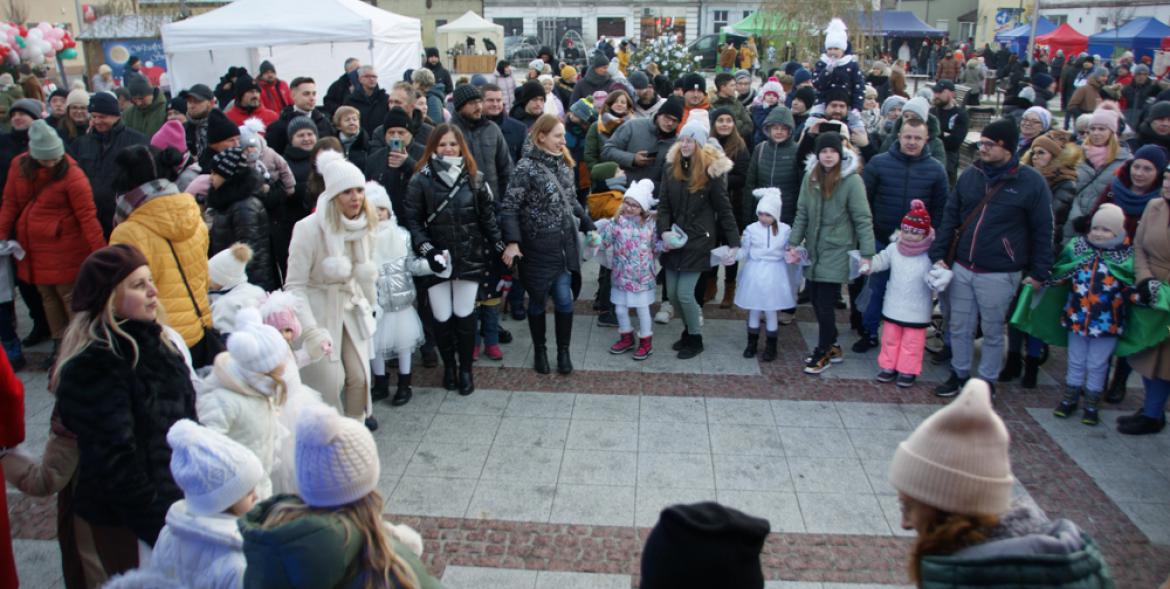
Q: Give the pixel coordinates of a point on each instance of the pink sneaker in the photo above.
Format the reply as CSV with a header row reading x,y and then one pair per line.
x,y
493,352
624,344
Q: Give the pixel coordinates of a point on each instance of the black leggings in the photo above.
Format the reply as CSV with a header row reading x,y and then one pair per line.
x,y
824,301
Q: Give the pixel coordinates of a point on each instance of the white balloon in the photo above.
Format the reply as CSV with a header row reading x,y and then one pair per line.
x,y
36,34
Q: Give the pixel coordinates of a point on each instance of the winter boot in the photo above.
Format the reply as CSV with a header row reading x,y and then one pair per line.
x,y
1031,372
445,340
465,330
1141,426
1011,367
624,344
381,390
1091,414
564,331
682,341
1117,387
753,344
47,364
769,347
693,347
645,348
403,393
536,326
1068,403
728,295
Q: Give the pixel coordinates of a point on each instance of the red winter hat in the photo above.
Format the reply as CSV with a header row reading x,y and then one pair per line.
x,y
917,220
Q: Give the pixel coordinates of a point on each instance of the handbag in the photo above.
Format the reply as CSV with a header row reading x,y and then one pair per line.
x,y
953,249
211,345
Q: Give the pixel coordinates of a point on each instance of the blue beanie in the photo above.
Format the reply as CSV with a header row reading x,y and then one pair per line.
x,y
801,76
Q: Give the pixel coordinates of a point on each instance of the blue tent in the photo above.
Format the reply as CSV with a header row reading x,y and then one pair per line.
x,y
1140,35
896,23
1017,38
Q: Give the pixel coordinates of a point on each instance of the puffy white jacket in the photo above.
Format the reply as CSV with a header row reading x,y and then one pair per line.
x,y
908,297
201,552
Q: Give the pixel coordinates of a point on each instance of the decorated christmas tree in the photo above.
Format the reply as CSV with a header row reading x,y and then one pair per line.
x,y
672,57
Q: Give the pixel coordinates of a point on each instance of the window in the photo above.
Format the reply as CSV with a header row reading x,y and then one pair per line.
x,y
966,30
1102,23
440,22
512,26
718,20
1057,19
611,26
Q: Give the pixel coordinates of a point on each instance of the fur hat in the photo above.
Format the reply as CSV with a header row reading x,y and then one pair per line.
x,y
338,173
171,134
697,128
917,219
704,545
957,460
377,195
336,458
100,274
919,106
1111,216
300,123
642,192
770,202
280,311
1003,131
213,470
43,142
836,35
254,346
77,98
464,94
219,127
227,268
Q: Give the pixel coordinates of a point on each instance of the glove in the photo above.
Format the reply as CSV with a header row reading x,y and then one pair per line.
x,y
505,283
1082,224
672,240
316,342
1146,291
499,246
593,239
938,278
436,262
425,248
731,257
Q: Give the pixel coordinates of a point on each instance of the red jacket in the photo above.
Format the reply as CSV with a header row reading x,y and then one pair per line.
x,y
274,96
11,434
238,115
55,222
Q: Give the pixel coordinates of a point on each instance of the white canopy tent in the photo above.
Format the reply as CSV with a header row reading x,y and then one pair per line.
x,y
456,32
300,37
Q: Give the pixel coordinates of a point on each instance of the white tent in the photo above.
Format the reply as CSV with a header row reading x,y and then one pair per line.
x,y
300,37
456,32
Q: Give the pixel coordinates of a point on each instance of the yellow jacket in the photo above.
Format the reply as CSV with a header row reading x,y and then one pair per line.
x,y
173,218
623,58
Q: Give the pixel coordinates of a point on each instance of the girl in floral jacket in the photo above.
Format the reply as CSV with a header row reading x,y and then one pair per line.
x,y
632,242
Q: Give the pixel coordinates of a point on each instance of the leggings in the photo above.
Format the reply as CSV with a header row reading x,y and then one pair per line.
x,y
378,362
681,286
770,321
452,296
824,301
357,392
645,326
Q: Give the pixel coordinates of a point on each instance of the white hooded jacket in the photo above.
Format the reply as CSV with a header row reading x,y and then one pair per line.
x,y
201,552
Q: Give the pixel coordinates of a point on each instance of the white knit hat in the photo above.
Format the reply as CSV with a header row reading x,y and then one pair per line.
x,y
255,346
836,36
642,192
227,268
957,460
213,470
376,194
770,202
339,174
336,458
698,127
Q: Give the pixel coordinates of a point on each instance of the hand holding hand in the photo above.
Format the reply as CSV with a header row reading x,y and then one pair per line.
x,y
511,253
593,239
437,262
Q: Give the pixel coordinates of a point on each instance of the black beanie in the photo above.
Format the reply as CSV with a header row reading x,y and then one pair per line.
x,y
791,67
673,107
694,81
104,103
243,84
219,127
704,545
179,104
662,86
266,66
598,60
1004,132
836,95
432,52
464,94
396,118
500,65
528,92
829,140
806,95
101,273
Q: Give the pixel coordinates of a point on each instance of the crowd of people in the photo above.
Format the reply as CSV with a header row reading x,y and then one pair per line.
x,y
247,259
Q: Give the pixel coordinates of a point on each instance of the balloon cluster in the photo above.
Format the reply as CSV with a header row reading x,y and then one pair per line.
x,y
35,45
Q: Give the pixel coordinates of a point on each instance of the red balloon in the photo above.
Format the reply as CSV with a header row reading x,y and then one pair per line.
x,y
23,31
69,43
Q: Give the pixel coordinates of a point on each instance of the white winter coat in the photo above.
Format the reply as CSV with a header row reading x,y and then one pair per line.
x,y
908,298
201,552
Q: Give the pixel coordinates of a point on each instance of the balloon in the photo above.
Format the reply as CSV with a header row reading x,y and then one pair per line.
x,y
36,34
23,30
69,43
44,27
57,44
20,42
69,53
13,59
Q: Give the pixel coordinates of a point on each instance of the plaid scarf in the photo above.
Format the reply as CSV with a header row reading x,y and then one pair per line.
x,y
129,202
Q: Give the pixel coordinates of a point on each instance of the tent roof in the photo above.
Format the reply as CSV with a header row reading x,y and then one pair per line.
x,y
255,23
1043,27
762,21
1064,34
897,23
470,22
1146,28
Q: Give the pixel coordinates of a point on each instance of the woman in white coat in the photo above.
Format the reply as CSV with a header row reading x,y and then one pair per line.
x,y
331,269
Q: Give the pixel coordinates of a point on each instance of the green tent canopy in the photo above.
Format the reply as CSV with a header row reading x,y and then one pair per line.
x,y
762,22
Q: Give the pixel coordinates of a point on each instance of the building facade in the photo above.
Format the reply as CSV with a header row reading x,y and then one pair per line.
x,y
1095,16
946,15
432,13
551,20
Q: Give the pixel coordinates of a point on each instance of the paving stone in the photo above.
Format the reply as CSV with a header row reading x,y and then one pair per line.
x,y
395,456
459,577
597,467
892,509
675,470
876,443
740,411
522,464
424,400
878,471
558,580
439,497
842,513
828,475
673,437
606,407
652,500
872,416
448,460
806,413
533,404
594,505
1152,518
816,442
455,429
483,402
779,508
751,473
603,435
507,500
762,440
402,425
673,409
533,432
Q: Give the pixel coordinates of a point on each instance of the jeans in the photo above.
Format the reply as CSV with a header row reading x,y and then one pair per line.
x,y
1157,392
986,298
872,317
1088,362
489,325
902,348
562,295
824,301
681,286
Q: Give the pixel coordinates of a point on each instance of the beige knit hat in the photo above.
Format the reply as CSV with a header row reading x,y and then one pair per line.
x,y
77,98
336,458
957,460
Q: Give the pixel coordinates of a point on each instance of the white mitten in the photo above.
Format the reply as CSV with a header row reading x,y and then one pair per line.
x,y
316,342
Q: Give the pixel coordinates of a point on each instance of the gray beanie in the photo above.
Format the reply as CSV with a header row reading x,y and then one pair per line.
x,y
1099,72
301,123
28,106
139,86
43,142
894,101
919,106
1141,68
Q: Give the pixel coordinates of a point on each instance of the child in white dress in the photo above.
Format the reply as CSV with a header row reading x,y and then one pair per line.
x,y
764,286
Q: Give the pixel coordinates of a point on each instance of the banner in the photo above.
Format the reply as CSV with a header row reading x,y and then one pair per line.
x,y
118,51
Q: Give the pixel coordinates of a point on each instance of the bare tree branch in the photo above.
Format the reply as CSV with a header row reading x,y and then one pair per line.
x,y
16,10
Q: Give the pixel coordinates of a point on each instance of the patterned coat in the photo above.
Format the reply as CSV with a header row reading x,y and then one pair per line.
x,y
1097,296
633,244
846,76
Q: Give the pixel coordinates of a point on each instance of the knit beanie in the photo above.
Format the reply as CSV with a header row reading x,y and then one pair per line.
x,y
836,36
1159,110
213,470
251,133
227,268
336,458
704,545
697,128
642,192
178,104
584,111
1043,114
1027,95
280,311
1111,216
917,219
919,106
266,66
1042,80
770,202
300,123
464,94
43,142
377,195
894,101
536,65
672,107
228,162
742,74
1107,118
338,173
254,346
598,60
957,460
638,80
1155,154
718,112
478,80
396,118
243,85
801,76
530,91
1053,142
77,98
694,81
32,108
1003,131
602,172
791,67
139,86
171,134
432,52
219,127
806,95
1141,68
772,87
568,71
101,272
829,140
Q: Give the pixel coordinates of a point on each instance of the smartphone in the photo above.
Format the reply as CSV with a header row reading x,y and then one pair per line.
x,y
832,126
396,145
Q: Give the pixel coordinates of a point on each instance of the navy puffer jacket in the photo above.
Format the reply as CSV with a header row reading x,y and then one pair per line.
x,y
893,179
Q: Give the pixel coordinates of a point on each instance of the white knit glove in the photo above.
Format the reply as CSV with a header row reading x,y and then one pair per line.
x,y
316,342
938,278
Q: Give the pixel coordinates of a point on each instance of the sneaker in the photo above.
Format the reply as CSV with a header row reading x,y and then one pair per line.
x,y
836,354
951,387
645,348
818,362
865,344
1090,415
607,319
1068,402
665,313
887,376
624,344
493,352
905,381
786,318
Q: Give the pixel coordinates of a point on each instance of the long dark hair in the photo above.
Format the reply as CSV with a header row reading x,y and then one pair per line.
x,y
30,166
433,146
732,144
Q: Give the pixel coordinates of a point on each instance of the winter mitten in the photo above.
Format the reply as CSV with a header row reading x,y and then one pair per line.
x,y
316,342
409,538
593,239
672,240
436,262
938,278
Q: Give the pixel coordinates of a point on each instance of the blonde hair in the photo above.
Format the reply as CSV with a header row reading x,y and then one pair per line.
x,y
333,213
543,126
700,160
380,566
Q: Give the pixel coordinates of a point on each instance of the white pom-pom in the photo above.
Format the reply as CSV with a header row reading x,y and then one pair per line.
x,y
317,425
247,318
255,125
278,300
365,271
327,157
336,267
768,191
183,433
836,26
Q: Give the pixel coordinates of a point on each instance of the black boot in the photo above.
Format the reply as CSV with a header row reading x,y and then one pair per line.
x,y
381,388
465,330
445,340
536,326
1068,402
1031,372
692,348
753,344
682,340
1116,391
1011,367
564,328
769,347
403,393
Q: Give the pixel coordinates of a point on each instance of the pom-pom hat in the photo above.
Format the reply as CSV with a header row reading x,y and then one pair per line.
x,y
336,458
917,219
338,173
213,470
770,202
836,35
227,268
642,192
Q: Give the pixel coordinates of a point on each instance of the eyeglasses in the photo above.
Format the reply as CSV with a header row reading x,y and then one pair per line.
x,y
1028,121
987,144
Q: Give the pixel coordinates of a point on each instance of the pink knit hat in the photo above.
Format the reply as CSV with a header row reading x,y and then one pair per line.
x,y
170,135
957,460
1107,118
280,312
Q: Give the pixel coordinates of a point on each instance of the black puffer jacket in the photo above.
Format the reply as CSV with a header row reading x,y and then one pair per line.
x,y
277,133
121,413
95,153
541,213
373,108
705,217
490,150
238,215
394,180
462,227
300,163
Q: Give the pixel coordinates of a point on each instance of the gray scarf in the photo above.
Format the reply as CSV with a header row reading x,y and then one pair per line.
x,y
129,202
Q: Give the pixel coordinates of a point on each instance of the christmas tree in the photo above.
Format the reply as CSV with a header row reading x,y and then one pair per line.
x,y
672,57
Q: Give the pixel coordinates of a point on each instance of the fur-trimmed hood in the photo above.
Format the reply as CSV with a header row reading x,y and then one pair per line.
x,y
850,163
719,164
